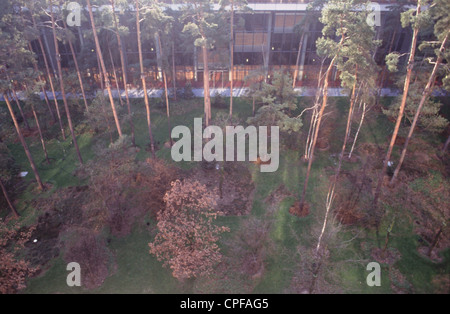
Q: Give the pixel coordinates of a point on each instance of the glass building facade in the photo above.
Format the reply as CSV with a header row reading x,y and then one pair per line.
x,y
264,40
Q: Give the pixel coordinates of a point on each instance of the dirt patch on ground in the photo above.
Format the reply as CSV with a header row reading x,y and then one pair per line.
x,y
348,216
232,183
389,256
44,244
299,211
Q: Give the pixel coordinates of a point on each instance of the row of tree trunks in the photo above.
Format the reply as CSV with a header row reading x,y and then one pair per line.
x,y
399,119
426,93
23,142
63,93
50,80
144,87
103,69
124,71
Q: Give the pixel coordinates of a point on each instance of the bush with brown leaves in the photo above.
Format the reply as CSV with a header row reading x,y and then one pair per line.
x,y
13,270
88,249
187,237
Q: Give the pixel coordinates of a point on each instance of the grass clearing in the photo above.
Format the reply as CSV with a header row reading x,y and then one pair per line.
x,y
139,272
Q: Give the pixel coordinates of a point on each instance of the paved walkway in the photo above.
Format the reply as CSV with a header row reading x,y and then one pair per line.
x,y
237,92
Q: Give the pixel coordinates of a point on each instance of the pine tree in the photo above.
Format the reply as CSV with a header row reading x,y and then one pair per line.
x,y
69,38
13,64
144,84
406,16
158,24
103,68
34,8
7,172
442,32
61,84
278,99
202,23
337,17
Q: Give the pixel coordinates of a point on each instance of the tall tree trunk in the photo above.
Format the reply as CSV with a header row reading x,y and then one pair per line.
x,y
144,86
50,80
63,92
103,68
316,133
231,56
115,76
447,142
312,125
100,74
400,115
47,102
435,241
24,144
359,129
206,92
77,68
300,46
426,93
166,93
333,183
167,108
384,71
174,72
40,133
124,71
16,100
8,200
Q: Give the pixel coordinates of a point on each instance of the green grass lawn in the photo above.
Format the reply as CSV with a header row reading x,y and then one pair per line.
x,y
136,271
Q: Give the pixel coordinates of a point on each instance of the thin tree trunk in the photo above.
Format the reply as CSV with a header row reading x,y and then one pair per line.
x,y
144,86
124,72
63,92
100,74
47,102
207,96
400,115
24,144
426,93
319,119
384,71
167,107
10,204
50,80
40,133
312,125
231,57
115,76
166,92
435,241
332,187
253,105
102,64
359,128
447,142
77,68
300,46
16,100
174,73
